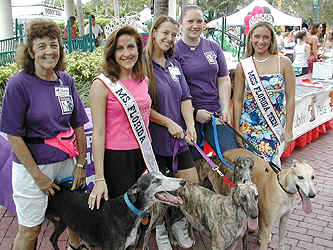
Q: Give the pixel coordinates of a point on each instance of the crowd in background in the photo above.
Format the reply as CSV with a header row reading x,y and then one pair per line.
x,y
178,85
306,45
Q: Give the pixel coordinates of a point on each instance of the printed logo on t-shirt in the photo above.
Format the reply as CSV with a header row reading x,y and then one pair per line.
x,y
174,72
66,104
211,57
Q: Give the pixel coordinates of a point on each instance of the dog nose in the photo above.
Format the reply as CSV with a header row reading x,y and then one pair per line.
x,y
254,215
312,195
183,182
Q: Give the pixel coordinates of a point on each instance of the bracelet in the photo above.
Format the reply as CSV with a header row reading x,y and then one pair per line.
x,y
80,165
99,179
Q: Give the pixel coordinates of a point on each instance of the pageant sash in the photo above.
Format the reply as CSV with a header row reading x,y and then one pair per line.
x,y
135,119
264,102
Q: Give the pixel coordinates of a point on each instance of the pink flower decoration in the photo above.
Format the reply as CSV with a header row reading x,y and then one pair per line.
x,y
257,10
247,27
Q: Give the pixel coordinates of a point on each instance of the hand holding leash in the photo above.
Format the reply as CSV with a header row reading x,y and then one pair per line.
x,y
46,184
191,135
275,168
175,130
203,116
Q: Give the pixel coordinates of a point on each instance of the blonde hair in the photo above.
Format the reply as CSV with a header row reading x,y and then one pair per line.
x,y
273,48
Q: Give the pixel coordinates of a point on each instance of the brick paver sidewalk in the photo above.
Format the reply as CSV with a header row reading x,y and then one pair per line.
x,y
313,231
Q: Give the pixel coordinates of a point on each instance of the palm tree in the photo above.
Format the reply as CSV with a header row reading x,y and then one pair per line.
x,y
106,7
161,7
80,16
116,8
189,2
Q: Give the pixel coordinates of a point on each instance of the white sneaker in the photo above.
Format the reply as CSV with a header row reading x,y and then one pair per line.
x,y
162,238
180,230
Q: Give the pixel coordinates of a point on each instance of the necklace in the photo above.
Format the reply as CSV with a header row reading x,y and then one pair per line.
x,y
262,60
192,45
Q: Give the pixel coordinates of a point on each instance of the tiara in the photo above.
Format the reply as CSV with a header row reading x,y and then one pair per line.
x,y
267,18
257,15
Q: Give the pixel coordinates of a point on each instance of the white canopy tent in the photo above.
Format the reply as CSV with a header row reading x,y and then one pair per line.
x,y
280,18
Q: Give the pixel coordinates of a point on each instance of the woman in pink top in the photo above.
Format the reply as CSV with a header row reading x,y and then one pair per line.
x,y
117,156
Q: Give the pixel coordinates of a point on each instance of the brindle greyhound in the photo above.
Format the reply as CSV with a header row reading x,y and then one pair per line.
x,y
223,218
277,192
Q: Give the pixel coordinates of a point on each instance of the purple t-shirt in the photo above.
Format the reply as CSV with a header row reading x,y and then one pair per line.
x,y
172,90
34,107
202,67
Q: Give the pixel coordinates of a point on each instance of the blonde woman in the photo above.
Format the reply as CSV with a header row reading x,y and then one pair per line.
x,y
171,115
278,80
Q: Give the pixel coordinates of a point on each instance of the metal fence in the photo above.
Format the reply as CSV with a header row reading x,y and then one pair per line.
x,y
8,46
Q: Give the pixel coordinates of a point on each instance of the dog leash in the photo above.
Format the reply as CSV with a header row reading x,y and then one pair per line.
x,y
273,166
176,146
217,144
203,154
214,166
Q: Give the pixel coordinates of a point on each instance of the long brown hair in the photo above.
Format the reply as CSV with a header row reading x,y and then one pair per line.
x,y
273,49
314,29
148,57
39,28
110,66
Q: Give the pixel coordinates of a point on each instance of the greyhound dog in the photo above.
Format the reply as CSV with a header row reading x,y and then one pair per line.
x,y
222,218
277,192
243,172
115,225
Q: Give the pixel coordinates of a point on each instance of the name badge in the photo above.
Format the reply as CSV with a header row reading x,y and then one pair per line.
x,y
61,91
174,72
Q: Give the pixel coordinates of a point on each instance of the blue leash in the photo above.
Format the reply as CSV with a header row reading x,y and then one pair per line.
x,y
67,179
217,144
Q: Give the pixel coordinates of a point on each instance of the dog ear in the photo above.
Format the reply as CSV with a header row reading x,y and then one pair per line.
x,y
132,192
236,195
294,163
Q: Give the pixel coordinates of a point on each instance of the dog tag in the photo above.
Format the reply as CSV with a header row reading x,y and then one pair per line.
x,y
145,221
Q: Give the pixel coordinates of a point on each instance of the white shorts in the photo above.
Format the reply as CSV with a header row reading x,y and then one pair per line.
x,y
30,201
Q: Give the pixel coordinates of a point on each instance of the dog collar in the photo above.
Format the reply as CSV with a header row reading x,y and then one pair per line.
x,y
133,208
282,186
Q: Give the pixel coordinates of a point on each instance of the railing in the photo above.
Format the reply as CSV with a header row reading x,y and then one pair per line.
x,y
8,47
7,57
227,40
80,44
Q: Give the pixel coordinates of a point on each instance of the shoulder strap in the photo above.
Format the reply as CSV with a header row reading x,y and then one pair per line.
x,y
135,119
